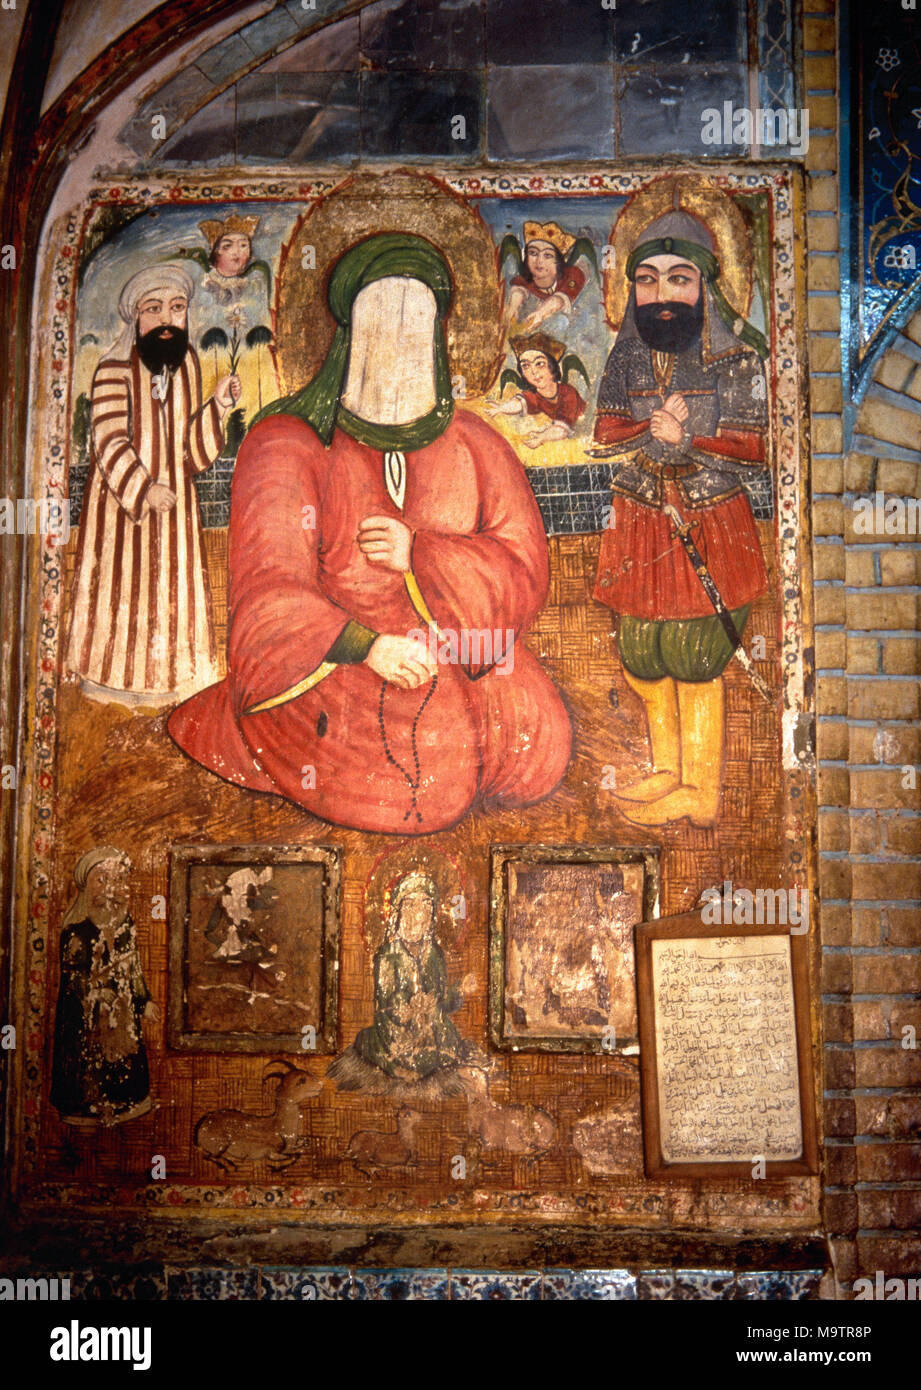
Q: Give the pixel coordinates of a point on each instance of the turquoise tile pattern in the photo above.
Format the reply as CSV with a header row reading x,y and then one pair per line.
x,y
343,1283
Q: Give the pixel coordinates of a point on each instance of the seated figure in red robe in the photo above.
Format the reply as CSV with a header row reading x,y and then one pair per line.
x,y
386,556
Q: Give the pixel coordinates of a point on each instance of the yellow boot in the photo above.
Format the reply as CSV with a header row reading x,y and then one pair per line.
x,y
661,705
700,716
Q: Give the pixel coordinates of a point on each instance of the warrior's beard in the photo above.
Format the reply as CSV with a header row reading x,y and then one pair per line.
x,y
162,347
674,334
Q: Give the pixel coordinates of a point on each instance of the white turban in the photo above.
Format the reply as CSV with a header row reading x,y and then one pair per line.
x,y
155,277
102,854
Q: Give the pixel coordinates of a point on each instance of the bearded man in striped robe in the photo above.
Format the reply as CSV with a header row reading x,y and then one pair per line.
x,y
141,627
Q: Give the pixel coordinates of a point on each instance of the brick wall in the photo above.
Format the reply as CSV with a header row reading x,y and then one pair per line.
x,y
868,656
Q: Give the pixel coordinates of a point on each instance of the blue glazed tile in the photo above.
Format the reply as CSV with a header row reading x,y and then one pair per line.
x,y
333,49
209,1284
273,28
608,1285
322,1284
554,480
656,1284
760,489
704,1284
147,1286
77,480
550,112
224,59
405,113
414,34
583,516
295,118
776,56
306,14
207,137
400,1285
775,1285
215,515
661,112
487,1284
528,32
186,91
645,33
545,514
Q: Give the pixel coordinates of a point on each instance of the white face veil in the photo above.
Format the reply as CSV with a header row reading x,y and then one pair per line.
x,y
391,371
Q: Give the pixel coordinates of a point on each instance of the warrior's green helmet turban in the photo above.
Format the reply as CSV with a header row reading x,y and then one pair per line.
x,y
678,233
387,254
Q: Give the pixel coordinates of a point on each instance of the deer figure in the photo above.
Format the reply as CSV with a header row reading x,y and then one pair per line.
x,y
373,1150
232,1137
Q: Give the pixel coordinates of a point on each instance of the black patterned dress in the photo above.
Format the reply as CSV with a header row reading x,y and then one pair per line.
x,y
100,1073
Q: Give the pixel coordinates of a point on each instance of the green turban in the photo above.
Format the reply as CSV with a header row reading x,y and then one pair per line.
x,y
387,254
709,268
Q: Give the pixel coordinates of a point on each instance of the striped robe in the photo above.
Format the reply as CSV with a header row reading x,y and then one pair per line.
x,y
141,605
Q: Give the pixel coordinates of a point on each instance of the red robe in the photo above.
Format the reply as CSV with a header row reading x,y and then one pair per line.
x,y
567,405
570,283
480,559
644,570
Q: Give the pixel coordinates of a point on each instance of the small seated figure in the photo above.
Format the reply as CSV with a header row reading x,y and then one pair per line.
x,y
541,363
413,1038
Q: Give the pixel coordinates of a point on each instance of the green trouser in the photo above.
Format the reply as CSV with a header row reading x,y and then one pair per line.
x,y
691,649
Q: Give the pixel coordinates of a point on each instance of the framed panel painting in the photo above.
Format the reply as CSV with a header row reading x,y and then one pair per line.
x,y
562,975
452,568
253,948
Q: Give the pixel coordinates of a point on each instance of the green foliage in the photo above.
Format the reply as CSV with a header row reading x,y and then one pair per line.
x,y
190,253
583,247
572,363
510,247
263,268
214,338
260,336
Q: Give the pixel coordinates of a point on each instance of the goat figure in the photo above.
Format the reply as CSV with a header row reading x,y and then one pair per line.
x,y
231,1137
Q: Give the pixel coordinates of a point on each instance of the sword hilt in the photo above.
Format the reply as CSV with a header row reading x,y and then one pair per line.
x,y
677,520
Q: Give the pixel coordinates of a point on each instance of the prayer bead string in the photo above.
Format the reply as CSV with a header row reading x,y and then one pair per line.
x,y
412,782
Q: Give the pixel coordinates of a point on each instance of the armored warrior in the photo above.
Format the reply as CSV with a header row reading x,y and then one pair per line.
x,y
682,400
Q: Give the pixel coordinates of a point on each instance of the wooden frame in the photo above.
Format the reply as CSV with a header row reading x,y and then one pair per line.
x,y
182,1034
501,857
690,926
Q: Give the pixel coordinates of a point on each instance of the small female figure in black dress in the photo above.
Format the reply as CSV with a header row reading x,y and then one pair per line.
x,y
99,1073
